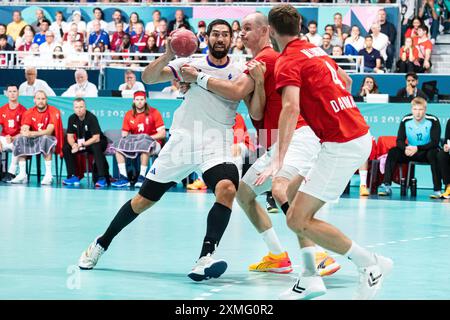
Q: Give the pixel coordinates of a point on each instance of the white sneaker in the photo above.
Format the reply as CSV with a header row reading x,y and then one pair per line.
x,y
305,288
48,179
90,257
207,268
20,179
371,278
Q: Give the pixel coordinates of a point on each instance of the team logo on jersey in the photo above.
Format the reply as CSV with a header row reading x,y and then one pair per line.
x,y
230,76
34,119
86,128
4,115
153,171
132,121
75,126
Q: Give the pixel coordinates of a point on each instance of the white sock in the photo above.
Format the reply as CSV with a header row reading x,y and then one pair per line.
x,y
239,163
309,261
48,167
13,166
122,169
272,241
143,171
360,256
363,177
22,168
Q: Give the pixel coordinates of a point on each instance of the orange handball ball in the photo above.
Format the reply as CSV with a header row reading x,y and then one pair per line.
x,y
184,42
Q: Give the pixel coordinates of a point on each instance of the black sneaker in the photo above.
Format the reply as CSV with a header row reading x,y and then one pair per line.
x,y
271,206
8,177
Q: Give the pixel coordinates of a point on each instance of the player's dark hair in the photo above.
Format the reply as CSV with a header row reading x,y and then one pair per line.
x,y
79,99
100,9
368,36
312,22
412,74
424,28
217,22
12,85
285,20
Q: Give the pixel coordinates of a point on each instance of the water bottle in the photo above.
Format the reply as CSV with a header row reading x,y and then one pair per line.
x,y
403,187
413,187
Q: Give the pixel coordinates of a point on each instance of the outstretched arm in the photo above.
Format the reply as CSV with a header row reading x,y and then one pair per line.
x,y
157,70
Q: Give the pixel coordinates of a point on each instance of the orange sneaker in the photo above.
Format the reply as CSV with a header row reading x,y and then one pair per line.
x,y
326,265
276,263
197,185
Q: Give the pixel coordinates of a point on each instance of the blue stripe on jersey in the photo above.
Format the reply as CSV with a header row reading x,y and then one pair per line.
x,y
418,133
216,66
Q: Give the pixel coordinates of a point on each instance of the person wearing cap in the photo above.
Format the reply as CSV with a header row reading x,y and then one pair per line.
x,y
84,135
201,35
143,132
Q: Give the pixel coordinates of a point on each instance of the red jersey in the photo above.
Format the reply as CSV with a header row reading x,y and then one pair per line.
x,y
143,123
39,120
328,108
241,134
10,120
139,41
422,47
273,106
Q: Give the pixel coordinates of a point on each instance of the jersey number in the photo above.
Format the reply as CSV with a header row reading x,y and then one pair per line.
x,y
11,123
419,137
140,127
334,75
40,125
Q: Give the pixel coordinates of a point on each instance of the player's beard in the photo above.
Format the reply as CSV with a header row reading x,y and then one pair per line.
x,y
41,108
216,53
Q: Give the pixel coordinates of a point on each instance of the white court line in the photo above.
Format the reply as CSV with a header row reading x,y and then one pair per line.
x,y
215,290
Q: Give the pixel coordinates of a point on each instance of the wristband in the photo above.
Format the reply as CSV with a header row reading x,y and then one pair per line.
x,y
202,80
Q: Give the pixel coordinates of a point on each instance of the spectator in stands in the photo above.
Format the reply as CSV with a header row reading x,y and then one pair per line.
x,y
152,26
368,86
81,25
134,19
354,43
33,84
417,140
239,48
424,48
59,27
335,40
125,47
84,135
326,44
116,19
32,58
97,36
131,83
236,29
303,29
411,91
139,40
372,57
74,29
390,31
26,42
10,118
409,57
21,38
37,136
173,90
16,25
58,57
82,88
161,36
117,37
444,162
312,34
78,58
201,36
46,49
342,60
98,17
179,20
4,45
39,18
9,39
151,46
380,40
143,129
341,31
39,38
412,31
430,12
69,44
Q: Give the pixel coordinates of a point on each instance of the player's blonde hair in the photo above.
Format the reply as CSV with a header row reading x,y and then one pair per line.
x,y
419,101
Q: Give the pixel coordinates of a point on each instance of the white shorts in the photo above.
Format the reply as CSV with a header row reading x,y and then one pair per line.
x,y
5,145
299,159
336,163
179,158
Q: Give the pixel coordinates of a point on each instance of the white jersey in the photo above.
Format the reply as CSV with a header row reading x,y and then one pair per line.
x,y
202,107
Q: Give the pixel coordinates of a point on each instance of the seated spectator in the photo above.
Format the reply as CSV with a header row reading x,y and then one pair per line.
x,y
81,25
424,48
39,18
77,58
390,31
10,118
312,34
59,27
32,58
69,44
39,38
372,57
201,36
33,84
411,91
412,31
97,36
58,59
117,37
125,47
341,31
326,44
444,162
173,91
134,19
37,136
417,140
236,31
131,83
98,17
342,60
84,135
161,36
15,27
380,40
73,30
116,19
151,46
139,39
21,39
82,88
46,48
368,86
354,43
152,26
143,132
239,47
430,12
409,57
179,20
97,59
8,38
335,40
26,42
5,46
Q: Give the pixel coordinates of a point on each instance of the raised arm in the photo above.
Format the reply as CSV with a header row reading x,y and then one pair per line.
x,y
157,70
257,101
